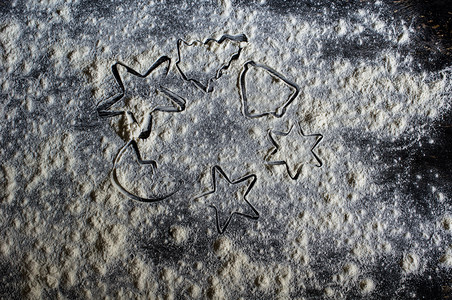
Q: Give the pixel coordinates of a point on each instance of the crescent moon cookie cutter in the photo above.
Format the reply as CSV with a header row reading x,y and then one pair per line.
x,y
152,163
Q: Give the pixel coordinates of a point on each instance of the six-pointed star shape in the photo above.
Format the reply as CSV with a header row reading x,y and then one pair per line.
x,y
254,215
141,114
275,152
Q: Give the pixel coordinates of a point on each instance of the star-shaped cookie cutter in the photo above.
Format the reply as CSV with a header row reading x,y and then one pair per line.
x,y
206,87
253,177
283,162
279,111
105,109
118,185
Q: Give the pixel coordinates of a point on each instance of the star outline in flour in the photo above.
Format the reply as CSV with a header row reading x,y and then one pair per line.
x,y
277,148
217,169
106,109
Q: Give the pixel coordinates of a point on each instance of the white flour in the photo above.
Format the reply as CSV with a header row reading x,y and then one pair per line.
x,y
67,232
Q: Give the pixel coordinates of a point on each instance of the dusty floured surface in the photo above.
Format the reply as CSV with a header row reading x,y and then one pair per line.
x,y
369,222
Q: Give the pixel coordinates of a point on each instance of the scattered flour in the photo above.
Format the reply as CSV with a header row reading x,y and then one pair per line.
x,y
179,234
366,286
70,233
446,259
410,262
447,223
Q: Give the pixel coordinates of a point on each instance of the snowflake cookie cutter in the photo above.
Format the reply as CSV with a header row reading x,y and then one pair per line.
x,y
284,162
217,169
206,87
278,112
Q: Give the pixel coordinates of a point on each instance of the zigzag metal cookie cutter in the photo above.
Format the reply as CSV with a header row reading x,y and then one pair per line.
x,y
253,178
207,88
283,162
104,108
278,112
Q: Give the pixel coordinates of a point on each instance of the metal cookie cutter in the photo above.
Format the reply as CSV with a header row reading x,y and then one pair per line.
x,y
206,87
284,162
253,177
278,111
105,109
118,185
